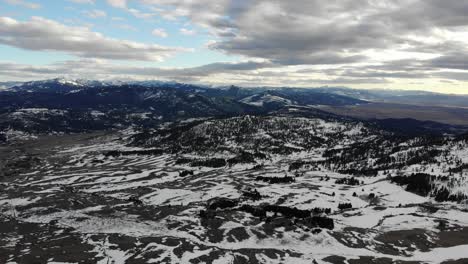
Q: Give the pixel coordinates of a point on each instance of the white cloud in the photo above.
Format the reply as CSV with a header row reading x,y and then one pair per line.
x,y
187,32
48,35
159,32
118,19
82,1
95,13
23,3
128,27
138,14
117,3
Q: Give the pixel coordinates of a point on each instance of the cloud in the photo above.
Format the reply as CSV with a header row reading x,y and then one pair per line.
x,y
245,73
222,67
82,1
128,27
299,42
187,32
118,19
452,76
346,42
458,61
138,14
308,31
348,81
23,3
159,32
117,3
47,35
95,13
104,69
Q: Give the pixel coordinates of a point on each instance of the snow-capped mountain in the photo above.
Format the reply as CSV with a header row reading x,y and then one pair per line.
x,y
372,95
66,84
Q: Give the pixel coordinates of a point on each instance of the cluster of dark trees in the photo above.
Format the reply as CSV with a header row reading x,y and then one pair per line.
x,y
252,194
459,169
442,178
246,157
326,178
358,153
273,180
310,216
296,165
311,165
425,155
135,200
369,172
387,154
185,173
221,203
253,210
419,183
422,184
211,163
443,194
288,211
118,153
319,210
320,221
180,161
343,206
292,212
348,181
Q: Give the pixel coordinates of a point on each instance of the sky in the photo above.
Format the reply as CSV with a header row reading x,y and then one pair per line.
x,y
398,44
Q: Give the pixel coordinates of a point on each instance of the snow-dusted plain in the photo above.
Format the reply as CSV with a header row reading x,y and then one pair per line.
x,y
96,199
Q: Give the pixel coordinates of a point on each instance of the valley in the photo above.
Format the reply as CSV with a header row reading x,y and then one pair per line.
x,y
198,191
446,115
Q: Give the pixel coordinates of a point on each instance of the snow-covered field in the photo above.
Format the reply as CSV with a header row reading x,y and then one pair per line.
x,y
142,208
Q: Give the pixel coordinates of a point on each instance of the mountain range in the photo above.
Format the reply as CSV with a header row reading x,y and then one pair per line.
x,y
165,172
62,105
